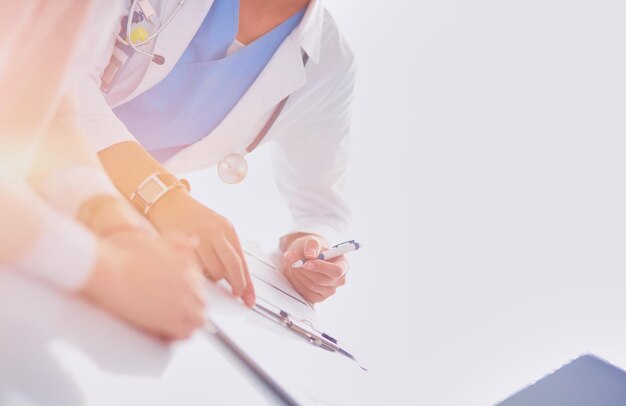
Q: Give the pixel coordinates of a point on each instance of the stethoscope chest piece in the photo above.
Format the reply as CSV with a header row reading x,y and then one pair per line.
x,y
232,169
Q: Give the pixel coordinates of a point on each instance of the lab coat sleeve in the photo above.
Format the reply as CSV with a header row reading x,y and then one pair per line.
x,y
95,116
310,161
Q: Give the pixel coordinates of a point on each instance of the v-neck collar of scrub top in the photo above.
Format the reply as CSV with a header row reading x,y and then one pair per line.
x,y
204,86
226,35
307,35
284,74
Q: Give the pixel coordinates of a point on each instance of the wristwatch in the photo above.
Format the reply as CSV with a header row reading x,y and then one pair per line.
x,y
153,188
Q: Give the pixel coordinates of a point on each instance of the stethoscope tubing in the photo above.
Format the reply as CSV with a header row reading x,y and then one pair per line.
x,y
129,24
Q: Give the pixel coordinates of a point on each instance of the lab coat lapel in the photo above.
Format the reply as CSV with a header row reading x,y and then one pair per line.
x,y
283,75
173,40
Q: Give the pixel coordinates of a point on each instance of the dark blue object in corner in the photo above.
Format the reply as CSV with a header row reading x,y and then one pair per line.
x,y
586,381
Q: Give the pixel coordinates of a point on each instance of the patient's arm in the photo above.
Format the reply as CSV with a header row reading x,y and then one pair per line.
x,y
39,241
152,283
69,176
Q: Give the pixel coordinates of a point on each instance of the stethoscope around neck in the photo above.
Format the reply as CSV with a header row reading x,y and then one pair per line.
x,y
233,168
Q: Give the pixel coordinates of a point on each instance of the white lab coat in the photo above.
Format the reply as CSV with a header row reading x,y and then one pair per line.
x,y
310,136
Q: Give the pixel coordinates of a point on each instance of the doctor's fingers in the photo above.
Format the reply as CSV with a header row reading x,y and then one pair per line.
x,y
312,247
232,264
248,295
211,264
330,269
319,279
309,291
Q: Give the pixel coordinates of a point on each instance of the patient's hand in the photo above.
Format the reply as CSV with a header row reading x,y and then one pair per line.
x,y
153,283
318,279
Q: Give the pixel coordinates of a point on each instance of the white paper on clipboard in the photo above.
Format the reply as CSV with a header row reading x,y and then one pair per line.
x,y
272,287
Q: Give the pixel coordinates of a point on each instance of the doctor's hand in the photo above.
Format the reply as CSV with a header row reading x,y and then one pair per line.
x,y
219,249
318,279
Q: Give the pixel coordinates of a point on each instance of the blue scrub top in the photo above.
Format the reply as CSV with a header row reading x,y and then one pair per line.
x,y
205,84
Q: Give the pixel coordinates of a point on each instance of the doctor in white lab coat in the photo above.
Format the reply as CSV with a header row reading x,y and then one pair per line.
x,y
313,67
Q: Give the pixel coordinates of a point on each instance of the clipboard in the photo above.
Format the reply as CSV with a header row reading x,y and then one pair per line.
x,y
279,394
279,302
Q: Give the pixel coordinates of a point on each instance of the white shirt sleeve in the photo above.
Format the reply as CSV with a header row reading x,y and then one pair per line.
x,y
38,241
63,254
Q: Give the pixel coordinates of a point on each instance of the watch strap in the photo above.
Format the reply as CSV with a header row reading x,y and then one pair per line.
x,y
153,188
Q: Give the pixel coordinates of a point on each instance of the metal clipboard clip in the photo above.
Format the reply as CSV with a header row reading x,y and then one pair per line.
x,y
304,328
345,243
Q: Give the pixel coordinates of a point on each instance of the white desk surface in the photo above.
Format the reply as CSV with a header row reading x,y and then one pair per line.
x,y
57,349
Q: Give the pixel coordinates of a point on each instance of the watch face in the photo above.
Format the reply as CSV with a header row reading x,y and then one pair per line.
x,y
151,190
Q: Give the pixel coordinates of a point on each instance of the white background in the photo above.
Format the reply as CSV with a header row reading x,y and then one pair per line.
x,y
487,182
